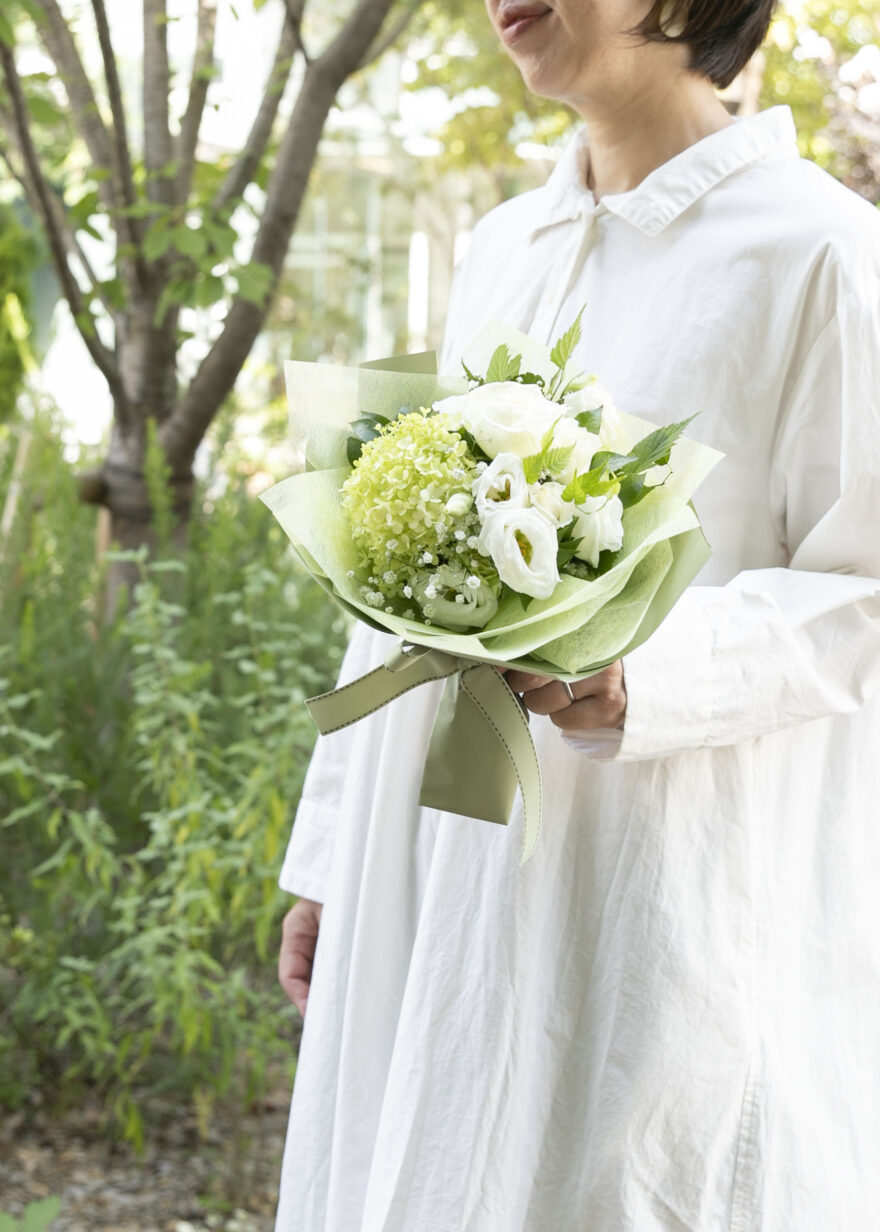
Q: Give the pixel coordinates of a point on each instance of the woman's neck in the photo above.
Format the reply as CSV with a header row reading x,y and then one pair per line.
x,y
630,139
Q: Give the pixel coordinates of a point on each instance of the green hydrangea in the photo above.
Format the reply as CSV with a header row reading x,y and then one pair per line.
x,y
412,516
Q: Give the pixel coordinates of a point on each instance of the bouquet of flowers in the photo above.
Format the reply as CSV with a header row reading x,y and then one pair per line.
x,y
510,517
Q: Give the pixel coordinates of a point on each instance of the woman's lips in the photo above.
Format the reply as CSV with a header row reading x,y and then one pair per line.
x,y
518,20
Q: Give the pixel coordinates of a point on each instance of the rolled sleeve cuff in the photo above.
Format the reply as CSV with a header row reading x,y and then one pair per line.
x,y
306,868
669,683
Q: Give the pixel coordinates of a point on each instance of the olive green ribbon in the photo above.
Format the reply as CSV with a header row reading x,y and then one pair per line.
x,y
480,749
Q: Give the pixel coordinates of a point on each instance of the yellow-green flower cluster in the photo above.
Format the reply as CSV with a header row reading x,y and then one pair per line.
x,y
409,499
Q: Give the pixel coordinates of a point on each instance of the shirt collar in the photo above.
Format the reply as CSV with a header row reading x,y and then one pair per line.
x,y
669,189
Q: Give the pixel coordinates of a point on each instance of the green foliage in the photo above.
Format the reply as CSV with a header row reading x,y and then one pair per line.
x,y
459,53
19,254
503,366
148,777
808,44
38,1216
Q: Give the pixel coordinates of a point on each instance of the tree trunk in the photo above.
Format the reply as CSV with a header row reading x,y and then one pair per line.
x,y
147,361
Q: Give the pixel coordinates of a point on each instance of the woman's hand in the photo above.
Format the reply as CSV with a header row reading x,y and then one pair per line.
x,y
299,936
600,700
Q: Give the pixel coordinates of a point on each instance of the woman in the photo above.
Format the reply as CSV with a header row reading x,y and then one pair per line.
x,y
669,1018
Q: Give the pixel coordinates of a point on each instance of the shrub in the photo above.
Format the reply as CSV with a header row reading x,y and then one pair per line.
x,y
149,770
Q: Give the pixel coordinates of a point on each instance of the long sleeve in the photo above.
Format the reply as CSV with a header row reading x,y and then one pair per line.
x,y
780,646
310,849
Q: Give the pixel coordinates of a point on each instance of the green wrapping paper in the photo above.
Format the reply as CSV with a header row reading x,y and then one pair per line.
x,y
480,749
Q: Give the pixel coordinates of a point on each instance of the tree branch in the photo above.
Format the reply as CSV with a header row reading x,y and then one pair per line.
x,y
121,147
158,152
295,9
103,358
346,50
58,41
385,40
284,196
245,167
203,62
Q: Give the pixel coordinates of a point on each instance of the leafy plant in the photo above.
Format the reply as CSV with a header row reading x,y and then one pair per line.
x,y
148,777
38,1216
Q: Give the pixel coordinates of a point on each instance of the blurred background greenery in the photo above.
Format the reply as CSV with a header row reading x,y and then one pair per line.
x,y
152,668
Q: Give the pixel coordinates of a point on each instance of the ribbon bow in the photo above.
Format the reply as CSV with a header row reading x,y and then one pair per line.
x,y
480,749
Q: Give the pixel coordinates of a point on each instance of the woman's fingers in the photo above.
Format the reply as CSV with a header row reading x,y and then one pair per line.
x,y
600,700
299,939
523,682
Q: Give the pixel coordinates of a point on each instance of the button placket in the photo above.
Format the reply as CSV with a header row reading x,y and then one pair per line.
x,y
561,276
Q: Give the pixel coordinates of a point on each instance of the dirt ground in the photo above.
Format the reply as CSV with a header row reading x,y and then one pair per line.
x,y
226,1182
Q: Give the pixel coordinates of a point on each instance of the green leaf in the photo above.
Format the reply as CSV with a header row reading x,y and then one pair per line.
x,y
175,291
632,490
45,112
82,210
547,438
503,366
576,383
353,448
563,349
556,460
208,290
255,282
157,240
7,37
39,1215
591,420
615,462
189,242
654,449
221,238
595,482
470,440
114,291
532,466
7,1223
568,545
470,376
364,429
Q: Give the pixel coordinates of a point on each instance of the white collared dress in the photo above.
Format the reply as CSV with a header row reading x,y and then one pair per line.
x,y
669,1018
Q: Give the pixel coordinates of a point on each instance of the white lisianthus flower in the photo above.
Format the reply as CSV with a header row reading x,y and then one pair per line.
x,y
523,546
583,444
502,416
599,527
547,498
501,485
448,597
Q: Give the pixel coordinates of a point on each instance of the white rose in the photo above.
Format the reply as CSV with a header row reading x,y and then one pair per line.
x,y
599,527
547,498
590,398
523,546
448,598
503,416
502,484
583,444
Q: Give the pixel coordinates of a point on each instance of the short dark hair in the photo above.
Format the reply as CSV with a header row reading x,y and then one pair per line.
x,y
723,35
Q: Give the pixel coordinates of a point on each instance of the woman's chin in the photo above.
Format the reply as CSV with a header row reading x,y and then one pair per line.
x,y
542,77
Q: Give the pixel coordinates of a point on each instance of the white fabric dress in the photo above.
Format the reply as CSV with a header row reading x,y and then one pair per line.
x,y
670,1017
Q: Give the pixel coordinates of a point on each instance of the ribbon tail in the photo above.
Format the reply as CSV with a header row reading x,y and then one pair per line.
x,y
481,749
354,701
